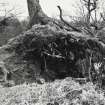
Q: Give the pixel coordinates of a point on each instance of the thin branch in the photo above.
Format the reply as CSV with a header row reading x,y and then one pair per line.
x,y
74,28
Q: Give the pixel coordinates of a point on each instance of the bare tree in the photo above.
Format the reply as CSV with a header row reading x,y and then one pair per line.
x,y
91,6
91,18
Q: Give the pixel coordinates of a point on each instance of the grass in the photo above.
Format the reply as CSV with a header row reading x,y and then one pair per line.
x,y
59,92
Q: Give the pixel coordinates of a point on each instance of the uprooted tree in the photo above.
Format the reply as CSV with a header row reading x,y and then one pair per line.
x,y
59,53
56,51
38,16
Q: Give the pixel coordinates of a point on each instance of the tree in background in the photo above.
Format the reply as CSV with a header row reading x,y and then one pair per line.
x,y
36,13
91,6
91,19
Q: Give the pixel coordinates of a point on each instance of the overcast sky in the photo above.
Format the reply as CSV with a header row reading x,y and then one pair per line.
x,y
48,6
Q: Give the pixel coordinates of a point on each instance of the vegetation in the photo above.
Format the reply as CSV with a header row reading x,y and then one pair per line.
x,y
66,61
60,92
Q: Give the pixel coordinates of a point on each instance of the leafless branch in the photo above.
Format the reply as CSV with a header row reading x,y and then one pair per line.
x,y
74,28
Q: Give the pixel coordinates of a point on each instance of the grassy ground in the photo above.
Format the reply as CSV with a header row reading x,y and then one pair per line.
x,y
59,92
